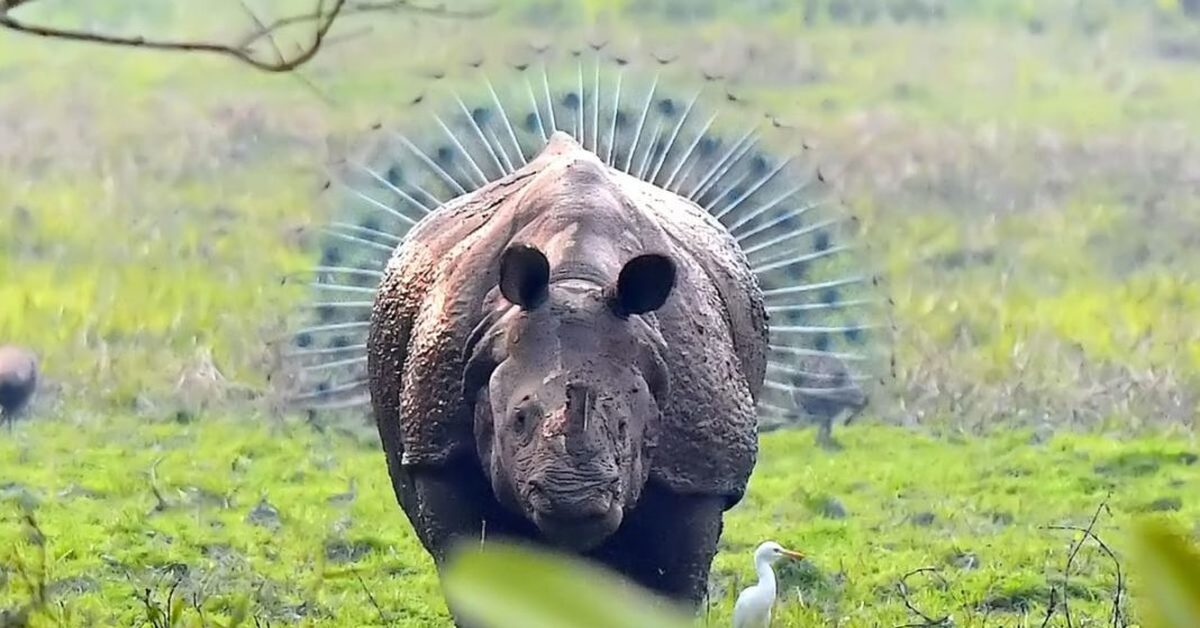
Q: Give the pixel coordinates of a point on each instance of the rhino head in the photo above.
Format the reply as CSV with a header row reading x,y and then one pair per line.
x,y
571,378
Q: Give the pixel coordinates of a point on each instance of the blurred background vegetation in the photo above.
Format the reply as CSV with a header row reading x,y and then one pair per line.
x,y
1029,170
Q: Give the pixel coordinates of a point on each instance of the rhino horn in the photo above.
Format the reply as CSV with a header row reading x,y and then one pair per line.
x,y
644,284
524,276
578,406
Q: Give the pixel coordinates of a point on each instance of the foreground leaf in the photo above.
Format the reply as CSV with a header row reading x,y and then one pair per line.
x,y
1171,576
508,586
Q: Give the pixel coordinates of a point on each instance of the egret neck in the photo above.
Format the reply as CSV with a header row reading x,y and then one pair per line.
x,y
766,575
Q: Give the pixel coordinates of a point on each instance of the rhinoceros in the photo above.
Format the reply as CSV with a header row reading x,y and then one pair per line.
x,y
570,305
571,354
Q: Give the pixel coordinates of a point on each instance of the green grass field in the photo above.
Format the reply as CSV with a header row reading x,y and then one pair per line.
x,y
1027,170
300,526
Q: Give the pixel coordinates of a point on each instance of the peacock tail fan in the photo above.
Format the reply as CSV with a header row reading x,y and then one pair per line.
x,y
659,119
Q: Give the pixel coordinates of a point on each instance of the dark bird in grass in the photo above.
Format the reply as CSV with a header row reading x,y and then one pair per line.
x,y
828,391
18,380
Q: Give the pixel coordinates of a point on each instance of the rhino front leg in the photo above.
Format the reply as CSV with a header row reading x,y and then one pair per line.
x,y
441,506
448,506
669,544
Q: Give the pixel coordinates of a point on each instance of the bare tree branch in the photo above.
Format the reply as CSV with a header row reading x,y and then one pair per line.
x,y
1087,533
390,6
1059,603
269,33
323,16
926,620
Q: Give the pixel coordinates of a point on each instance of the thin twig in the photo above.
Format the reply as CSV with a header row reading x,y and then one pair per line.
x,y
325,22
1087,533
1120,588
1075,547
269,33
902,587
365,7
243,50
262,29
198,603
171,593
371,596
35,582
1051,607
160,501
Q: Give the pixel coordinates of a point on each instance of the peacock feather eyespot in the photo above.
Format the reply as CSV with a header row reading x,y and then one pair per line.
x,y
481,115
642,118
331,256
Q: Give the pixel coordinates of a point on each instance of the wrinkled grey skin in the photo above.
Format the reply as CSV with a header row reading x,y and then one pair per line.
x,y
575,376
570,356
18,380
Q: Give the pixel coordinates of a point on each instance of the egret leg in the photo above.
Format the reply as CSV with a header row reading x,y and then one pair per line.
x,y
668,542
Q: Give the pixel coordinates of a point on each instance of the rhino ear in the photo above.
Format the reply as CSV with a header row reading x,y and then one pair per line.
x,y
524,276
644,284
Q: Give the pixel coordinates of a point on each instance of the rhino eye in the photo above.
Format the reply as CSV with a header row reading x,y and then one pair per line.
x,y
521,419
622,428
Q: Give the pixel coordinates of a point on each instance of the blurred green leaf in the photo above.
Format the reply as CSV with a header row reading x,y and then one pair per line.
x,y
177,608
1171,576
509,586
240,611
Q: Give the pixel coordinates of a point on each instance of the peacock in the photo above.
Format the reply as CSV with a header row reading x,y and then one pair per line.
x,y
669,123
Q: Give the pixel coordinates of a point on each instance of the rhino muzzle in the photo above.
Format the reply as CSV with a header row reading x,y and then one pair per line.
x,y
575,498
561,457
578,514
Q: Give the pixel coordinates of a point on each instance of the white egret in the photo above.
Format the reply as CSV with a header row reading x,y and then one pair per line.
x,y
753,607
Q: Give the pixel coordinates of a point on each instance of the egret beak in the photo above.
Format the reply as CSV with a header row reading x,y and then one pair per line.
x,y
791,554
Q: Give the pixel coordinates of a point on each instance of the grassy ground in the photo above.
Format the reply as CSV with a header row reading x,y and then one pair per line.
x,y
302,526
1026,169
